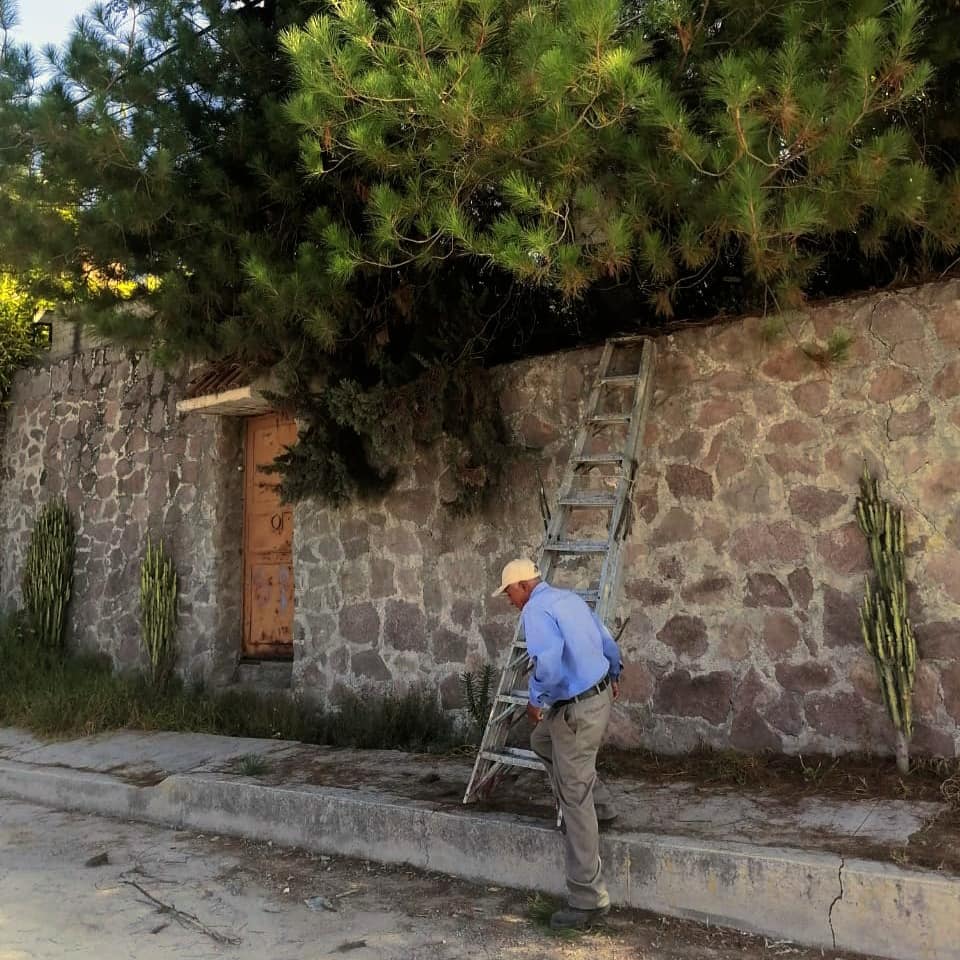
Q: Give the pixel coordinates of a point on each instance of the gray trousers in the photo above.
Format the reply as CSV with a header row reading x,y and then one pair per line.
x,y
567,740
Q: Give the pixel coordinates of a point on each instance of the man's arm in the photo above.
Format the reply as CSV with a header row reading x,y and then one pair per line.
x,y
545,648
610,649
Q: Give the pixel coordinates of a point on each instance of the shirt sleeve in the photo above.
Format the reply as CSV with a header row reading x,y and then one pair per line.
x,y
610,649
545,648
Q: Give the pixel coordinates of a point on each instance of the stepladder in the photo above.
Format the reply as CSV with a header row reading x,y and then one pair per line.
x,y
583,546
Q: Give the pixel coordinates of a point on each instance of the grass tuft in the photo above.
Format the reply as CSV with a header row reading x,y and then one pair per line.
x,y
253,765
80,694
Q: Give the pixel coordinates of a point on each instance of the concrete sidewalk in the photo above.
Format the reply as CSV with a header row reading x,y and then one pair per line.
x,y
789,870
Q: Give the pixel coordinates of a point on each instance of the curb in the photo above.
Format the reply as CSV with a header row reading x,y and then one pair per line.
x,y
817,899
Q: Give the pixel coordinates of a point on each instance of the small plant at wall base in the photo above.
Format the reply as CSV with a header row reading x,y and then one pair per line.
x,y
884,620
48,576
158,611
478,689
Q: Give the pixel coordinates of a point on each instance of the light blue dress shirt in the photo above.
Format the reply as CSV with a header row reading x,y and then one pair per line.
x,y
571,648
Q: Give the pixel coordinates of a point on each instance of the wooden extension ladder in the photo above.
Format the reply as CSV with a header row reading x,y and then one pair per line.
x,y
606,410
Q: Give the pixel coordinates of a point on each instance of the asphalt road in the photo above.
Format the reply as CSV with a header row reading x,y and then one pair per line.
x,y
165,894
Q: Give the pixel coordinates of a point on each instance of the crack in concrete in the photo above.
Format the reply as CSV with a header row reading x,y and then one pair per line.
x,y
836,900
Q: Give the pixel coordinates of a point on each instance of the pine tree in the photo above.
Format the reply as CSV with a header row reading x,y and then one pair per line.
x,y
567,141
381,197
159,187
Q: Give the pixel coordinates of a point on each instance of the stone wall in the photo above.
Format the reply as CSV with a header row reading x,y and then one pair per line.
x,y
100,428
745,567
742,574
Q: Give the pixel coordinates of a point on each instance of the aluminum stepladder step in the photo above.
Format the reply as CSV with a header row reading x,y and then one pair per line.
x,y
634,391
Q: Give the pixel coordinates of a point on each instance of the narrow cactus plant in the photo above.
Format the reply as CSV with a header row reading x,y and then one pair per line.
x,y
48,575
158,611
884,619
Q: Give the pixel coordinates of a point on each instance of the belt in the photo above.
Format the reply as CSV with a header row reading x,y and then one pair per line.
x,y
590,692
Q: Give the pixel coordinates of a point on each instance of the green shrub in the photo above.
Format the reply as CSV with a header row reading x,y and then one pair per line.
x,y
48,575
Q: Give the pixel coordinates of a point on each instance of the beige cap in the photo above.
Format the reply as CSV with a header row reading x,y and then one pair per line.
x,y
516,571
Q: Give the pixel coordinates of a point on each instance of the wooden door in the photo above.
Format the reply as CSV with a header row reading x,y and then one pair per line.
x,y
267,543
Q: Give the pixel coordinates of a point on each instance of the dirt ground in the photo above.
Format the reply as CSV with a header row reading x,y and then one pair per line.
x,y
168,894
786,782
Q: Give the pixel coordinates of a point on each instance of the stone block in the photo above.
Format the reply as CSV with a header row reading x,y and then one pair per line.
x,y
715,412
637,683
648,593
840,715
452,694
707,696
801,586
844,550
404,626
891,382
758,542
360,624
786,464
381,578
750,732
863,678
939,640
710,589
946,323
813,397
895,320
780,634
790,433
749,493
765,590
688,446
783,713
685,634
369,665
687,481
814,505
943,568
841,618
461,613
941,484
535,432
676,526
737,641
910,423
449,647
804,677
730,462
787,365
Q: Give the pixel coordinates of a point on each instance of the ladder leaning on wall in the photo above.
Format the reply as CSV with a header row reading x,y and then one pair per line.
x,y
610,493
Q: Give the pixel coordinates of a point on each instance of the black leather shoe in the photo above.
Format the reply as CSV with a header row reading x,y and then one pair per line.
x,y
573,918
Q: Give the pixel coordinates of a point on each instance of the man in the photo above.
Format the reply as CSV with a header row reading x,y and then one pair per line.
x,y
575,679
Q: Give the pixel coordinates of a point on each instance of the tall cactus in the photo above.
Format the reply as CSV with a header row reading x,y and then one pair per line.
x,y
48,575
158,611
884,619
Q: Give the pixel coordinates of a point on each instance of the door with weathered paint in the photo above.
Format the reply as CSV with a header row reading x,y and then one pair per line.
x,y
267,543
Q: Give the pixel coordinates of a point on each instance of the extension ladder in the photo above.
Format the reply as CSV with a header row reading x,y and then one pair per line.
x,y
605,411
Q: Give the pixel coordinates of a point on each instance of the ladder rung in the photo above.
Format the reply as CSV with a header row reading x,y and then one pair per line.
x,y
517,698
591,596
611,418
576,546
621,379
629,338
589,500
514,757
599,458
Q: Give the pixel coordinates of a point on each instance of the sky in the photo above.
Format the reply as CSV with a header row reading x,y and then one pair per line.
x,y
47,21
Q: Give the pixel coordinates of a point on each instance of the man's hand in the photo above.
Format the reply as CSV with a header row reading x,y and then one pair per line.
x,y
615,687
534,713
